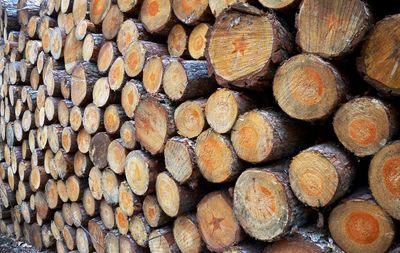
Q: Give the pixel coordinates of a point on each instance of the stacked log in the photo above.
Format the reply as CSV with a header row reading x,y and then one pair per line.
x,y
200,126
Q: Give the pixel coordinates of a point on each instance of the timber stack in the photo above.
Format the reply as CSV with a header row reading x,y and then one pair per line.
x,y
200,125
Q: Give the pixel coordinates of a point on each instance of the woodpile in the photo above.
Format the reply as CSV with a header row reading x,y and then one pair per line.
x,y
200,125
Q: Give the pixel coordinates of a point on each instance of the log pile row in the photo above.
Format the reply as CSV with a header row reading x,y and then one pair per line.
x,y
200,125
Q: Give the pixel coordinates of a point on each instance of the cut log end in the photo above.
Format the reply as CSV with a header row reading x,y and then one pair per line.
x,y
187,234
98,10
317,179
116,75
359,225
383,179
242,63
139,229
190,12
112,22
156,15
177,40
382,69
153,213
356,125
153,72
197,41
162,240
128,135
130,97
180,159
223,107
320,27
153,124
218,225
190,118
216,158
308,88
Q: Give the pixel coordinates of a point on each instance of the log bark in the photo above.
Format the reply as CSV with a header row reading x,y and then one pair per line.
x,y
335,42
355,125
376,235
308,239
280,211
26,9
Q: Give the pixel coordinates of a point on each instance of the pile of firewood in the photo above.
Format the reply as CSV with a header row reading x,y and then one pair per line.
x,y
200,125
